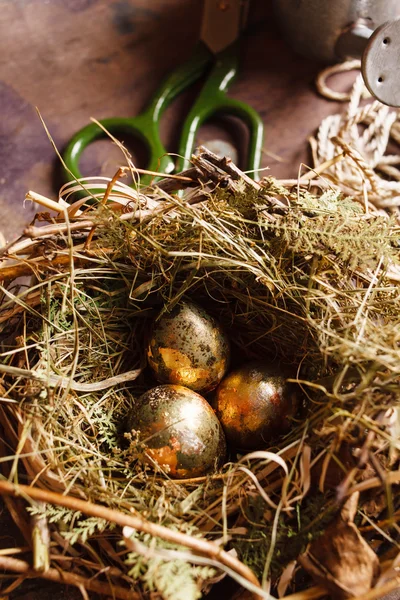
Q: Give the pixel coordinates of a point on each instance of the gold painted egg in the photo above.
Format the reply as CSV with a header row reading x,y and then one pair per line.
x,y
188,347
254,405
180,431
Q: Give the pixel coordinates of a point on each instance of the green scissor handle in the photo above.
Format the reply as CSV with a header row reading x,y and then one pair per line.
x,y
213,100
146,126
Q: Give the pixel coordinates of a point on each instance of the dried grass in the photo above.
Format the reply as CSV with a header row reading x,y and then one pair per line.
x,y
301,273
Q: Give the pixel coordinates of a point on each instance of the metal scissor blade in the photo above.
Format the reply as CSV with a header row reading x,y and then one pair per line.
x,y
222,22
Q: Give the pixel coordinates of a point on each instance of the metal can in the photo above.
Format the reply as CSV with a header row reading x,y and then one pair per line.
x,y
315,28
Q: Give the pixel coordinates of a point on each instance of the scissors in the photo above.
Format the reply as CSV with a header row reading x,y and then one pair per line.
x,y
216,54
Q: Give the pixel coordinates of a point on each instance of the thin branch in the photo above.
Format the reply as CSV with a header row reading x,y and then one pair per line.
x,y
120,173
201,546
181,177
96,386
66,382
47,202
35,265
217,168
391,478
171,185
57,575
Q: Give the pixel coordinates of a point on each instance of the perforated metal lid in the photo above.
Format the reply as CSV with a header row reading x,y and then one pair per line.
x,y
381,63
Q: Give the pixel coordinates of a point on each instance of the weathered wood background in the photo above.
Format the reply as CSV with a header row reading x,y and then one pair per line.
x,y
76,59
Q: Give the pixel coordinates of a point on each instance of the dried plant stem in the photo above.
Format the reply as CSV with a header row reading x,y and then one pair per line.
x,y
319,183
172,183
40,542
35,265
21,269
360,162
320,169
9,551
120,173
57,575
200,546
96,386
391,478
47,202
165,175
6,247
216,168
42,232
64,382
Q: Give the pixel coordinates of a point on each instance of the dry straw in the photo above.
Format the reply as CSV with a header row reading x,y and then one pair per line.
x,y
298,270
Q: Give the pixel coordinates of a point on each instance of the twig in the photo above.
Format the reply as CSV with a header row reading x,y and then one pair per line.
x,y
321,168
201,546
181,177
222,171
6,248
391,478
57,575
189,178
216,168
96,386
46,202
42,232
289,183
35,265
9,551
40,541
64,382
168,554
120,173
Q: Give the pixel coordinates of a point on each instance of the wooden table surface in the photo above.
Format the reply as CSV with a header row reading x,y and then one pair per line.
x,y
76,59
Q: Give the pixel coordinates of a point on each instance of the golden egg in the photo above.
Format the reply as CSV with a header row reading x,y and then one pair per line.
x,y
179,430
254,404
188,347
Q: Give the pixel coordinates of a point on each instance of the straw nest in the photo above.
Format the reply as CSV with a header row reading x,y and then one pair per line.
x,y
299,272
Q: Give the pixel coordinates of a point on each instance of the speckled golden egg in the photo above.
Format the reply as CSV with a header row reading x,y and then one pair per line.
x,y
180,431
188,347
254,404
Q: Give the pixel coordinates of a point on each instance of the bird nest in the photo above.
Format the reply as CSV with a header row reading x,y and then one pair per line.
x,y
299,272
